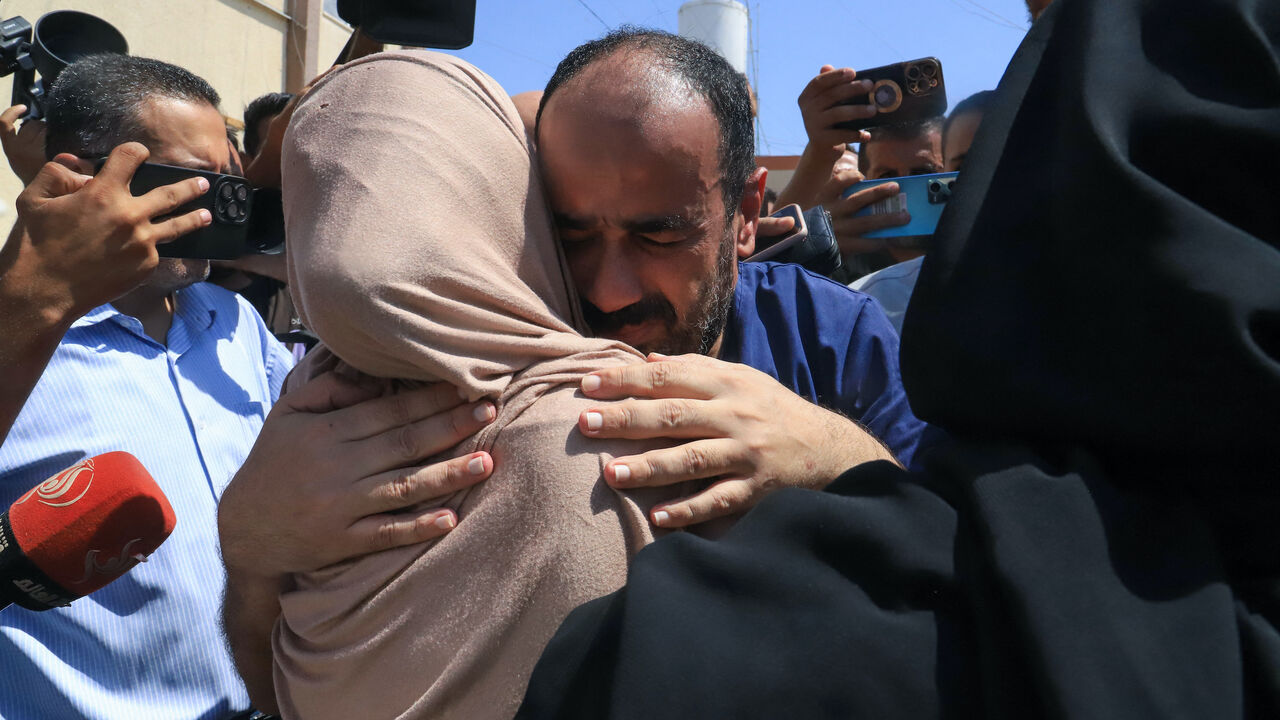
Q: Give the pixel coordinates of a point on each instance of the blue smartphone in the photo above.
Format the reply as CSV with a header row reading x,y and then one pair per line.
x,y
924,196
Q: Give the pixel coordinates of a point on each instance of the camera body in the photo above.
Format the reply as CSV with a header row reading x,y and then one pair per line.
x,y
902,93
58,39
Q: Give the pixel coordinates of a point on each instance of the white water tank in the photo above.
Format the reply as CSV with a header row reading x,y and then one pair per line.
x,y
723,25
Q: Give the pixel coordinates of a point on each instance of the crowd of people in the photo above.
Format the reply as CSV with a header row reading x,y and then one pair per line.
x,y
561,451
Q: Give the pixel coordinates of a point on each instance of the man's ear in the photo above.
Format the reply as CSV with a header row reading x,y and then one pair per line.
x,y
752,201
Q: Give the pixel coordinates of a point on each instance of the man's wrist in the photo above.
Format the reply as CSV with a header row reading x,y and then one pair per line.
x,y
28,298
852,444
36,315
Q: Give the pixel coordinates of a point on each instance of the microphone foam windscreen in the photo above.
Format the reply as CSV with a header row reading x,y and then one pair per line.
x,y
92,522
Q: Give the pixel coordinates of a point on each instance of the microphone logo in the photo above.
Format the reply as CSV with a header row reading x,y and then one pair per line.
x,y
65,488
113,565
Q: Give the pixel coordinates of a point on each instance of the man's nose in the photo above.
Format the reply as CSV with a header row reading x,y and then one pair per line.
x,y
609,275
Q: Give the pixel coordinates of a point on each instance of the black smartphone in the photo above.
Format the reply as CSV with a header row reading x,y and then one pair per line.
x,y
903,92
229,200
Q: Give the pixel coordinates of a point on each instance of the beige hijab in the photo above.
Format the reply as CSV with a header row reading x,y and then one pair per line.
x,y
421,249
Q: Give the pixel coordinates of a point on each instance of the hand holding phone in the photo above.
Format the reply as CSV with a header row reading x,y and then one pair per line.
x,y
227,198
769,248
85,241
922,198
901,93
825,107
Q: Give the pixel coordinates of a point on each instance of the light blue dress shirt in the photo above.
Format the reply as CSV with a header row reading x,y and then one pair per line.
x,y
149,645
892,287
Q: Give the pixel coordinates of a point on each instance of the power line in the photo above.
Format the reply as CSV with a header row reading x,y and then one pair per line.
x,y
594,15
989,16
989,11
876,35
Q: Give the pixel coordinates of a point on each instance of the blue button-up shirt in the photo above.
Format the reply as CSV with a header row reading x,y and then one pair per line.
x,y
148,645
827,343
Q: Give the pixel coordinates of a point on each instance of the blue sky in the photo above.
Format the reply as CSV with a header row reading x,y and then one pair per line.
x,y
519,42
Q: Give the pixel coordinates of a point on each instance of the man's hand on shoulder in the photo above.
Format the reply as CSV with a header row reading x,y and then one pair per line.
x,y
335,468
742,428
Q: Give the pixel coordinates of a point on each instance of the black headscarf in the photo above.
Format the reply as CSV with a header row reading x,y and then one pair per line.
x,y
1099,330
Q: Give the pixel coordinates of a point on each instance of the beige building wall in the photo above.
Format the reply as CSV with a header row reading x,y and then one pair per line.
x,y
237,45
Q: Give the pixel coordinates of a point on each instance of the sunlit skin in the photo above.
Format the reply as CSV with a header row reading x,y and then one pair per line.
x,y
894,157
633,176
960,134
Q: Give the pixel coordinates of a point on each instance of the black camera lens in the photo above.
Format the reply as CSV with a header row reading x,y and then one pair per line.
x,y
930,70
233,211
225,191
935,186
242,193
913,72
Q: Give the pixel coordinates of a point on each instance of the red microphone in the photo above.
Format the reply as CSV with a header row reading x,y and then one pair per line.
x,y
79,530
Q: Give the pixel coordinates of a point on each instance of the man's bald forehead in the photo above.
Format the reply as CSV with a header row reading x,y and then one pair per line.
x,y
632,84
633,77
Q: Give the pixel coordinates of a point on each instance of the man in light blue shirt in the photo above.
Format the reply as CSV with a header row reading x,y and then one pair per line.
x,y
181,374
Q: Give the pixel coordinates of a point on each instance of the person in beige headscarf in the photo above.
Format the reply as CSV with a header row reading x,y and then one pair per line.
x,y
421,250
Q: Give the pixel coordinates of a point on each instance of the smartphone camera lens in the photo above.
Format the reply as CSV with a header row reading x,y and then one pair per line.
x,y
935,187
242,193
913,72
225,192
930,70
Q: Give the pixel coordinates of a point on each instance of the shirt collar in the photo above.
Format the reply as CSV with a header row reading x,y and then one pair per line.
x,y
194,309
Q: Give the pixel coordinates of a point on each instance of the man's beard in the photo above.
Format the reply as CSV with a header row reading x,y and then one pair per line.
x,y
698,332
176,273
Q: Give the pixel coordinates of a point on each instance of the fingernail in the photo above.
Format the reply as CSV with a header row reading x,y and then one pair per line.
x,y
445,522
595,421
202,183
483,413
591,383
476,465
621,473
661,517
205,217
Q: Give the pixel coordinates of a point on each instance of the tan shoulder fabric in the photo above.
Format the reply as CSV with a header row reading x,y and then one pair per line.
x,y
421,249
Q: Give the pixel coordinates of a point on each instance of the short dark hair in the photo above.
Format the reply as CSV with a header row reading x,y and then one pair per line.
x,y
977,102
93,106
705,70
901,131
264,106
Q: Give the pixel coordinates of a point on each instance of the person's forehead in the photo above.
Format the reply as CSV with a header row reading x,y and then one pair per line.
x,y
618,141
962,128
888,150
186,133
632,89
